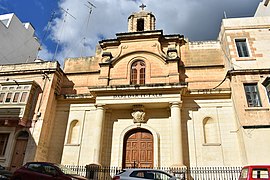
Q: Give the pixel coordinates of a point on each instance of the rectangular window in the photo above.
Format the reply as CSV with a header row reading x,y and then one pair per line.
x,y
252,95
2,95
133,76
3,143
16,97
8,98
24,96
242,47
140,25
142,76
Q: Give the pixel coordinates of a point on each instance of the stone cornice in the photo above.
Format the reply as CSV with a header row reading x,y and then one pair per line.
x,y
209,91
30,68
141,35
164,88
248,71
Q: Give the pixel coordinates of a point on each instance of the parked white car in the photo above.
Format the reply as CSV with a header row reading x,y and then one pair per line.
x,y
142,174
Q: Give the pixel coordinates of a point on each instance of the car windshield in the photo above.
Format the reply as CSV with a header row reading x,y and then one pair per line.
x,y
65,169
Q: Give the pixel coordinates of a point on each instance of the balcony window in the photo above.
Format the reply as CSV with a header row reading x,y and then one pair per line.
x,y
242,48
14,94
252,95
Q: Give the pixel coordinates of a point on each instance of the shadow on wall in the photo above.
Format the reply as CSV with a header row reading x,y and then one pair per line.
x,y
186,117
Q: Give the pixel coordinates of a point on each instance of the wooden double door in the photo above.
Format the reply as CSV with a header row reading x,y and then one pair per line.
x,y
138,149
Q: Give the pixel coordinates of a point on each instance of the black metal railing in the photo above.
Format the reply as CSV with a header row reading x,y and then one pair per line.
x,y
185,173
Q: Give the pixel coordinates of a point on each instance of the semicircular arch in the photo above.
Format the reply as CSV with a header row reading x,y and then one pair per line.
x,y
139,55
156,139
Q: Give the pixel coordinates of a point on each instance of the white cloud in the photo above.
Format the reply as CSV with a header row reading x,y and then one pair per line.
x,y
44,53
197,20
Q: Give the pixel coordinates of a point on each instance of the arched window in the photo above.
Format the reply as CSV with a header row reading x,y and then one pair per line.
x,y
73,135
210,130
138,73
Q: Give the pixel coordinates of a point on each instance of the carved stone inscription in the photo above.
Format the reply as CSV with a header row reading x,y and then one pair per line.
x,y
148,95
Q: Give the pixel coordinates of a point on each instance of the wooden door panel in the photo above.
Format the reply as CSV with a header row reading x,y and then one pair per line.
x,y
138,149
18,155
143,145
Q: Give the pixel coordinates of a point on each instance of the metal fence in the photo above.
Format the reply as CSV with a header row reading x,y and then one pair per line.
x,y
185,173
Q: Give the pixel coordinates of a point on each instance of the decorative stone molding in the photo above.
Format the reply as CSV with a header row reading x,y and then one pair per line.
x,y
138,114
176,104
106,56
172,53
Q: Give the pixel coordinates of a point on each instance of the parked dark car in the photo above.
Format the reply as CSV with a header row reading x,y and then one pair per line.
x,y
4,174
45,171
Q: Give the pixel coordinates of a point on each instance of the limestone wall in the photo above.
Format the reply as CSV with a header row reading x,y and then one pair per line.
x,y
222,147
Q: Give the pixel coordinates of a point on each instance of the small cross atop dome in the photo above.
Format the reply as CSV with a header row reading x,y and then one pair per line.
x,y
142,6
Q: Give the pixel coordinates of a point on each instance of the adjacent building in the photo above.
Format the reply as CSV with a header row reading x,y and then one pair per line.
x,y
18,43
145,99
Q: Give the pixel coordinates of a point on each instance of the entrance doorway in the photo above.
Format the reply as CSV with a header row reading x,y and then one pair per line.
x,y
19,150
138,149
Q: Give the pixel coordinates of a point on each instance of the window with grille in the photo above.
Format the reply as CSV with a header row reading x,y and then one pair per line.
x,y
242,48
138,73
252,95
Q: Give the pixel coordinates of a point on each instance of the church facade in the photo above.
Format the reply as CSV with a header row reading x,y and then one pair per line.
x,y
145,99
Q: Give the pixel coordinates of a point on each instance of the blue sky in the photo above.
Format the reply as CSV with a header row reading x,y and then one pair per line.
x,y
78,36
37,12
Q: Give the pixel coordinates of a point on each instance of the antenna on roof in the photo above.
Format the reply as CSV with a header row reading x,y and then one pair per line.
x,y
90,6
61,29
45,32
66,11
225,15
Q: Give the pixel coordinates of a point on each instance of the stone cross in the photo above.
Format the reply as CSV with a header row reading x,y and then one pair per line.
x,y
142,6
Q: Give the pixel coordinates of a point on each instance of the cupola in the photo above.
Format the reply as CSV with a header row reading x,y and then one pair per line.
x,y
141,21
